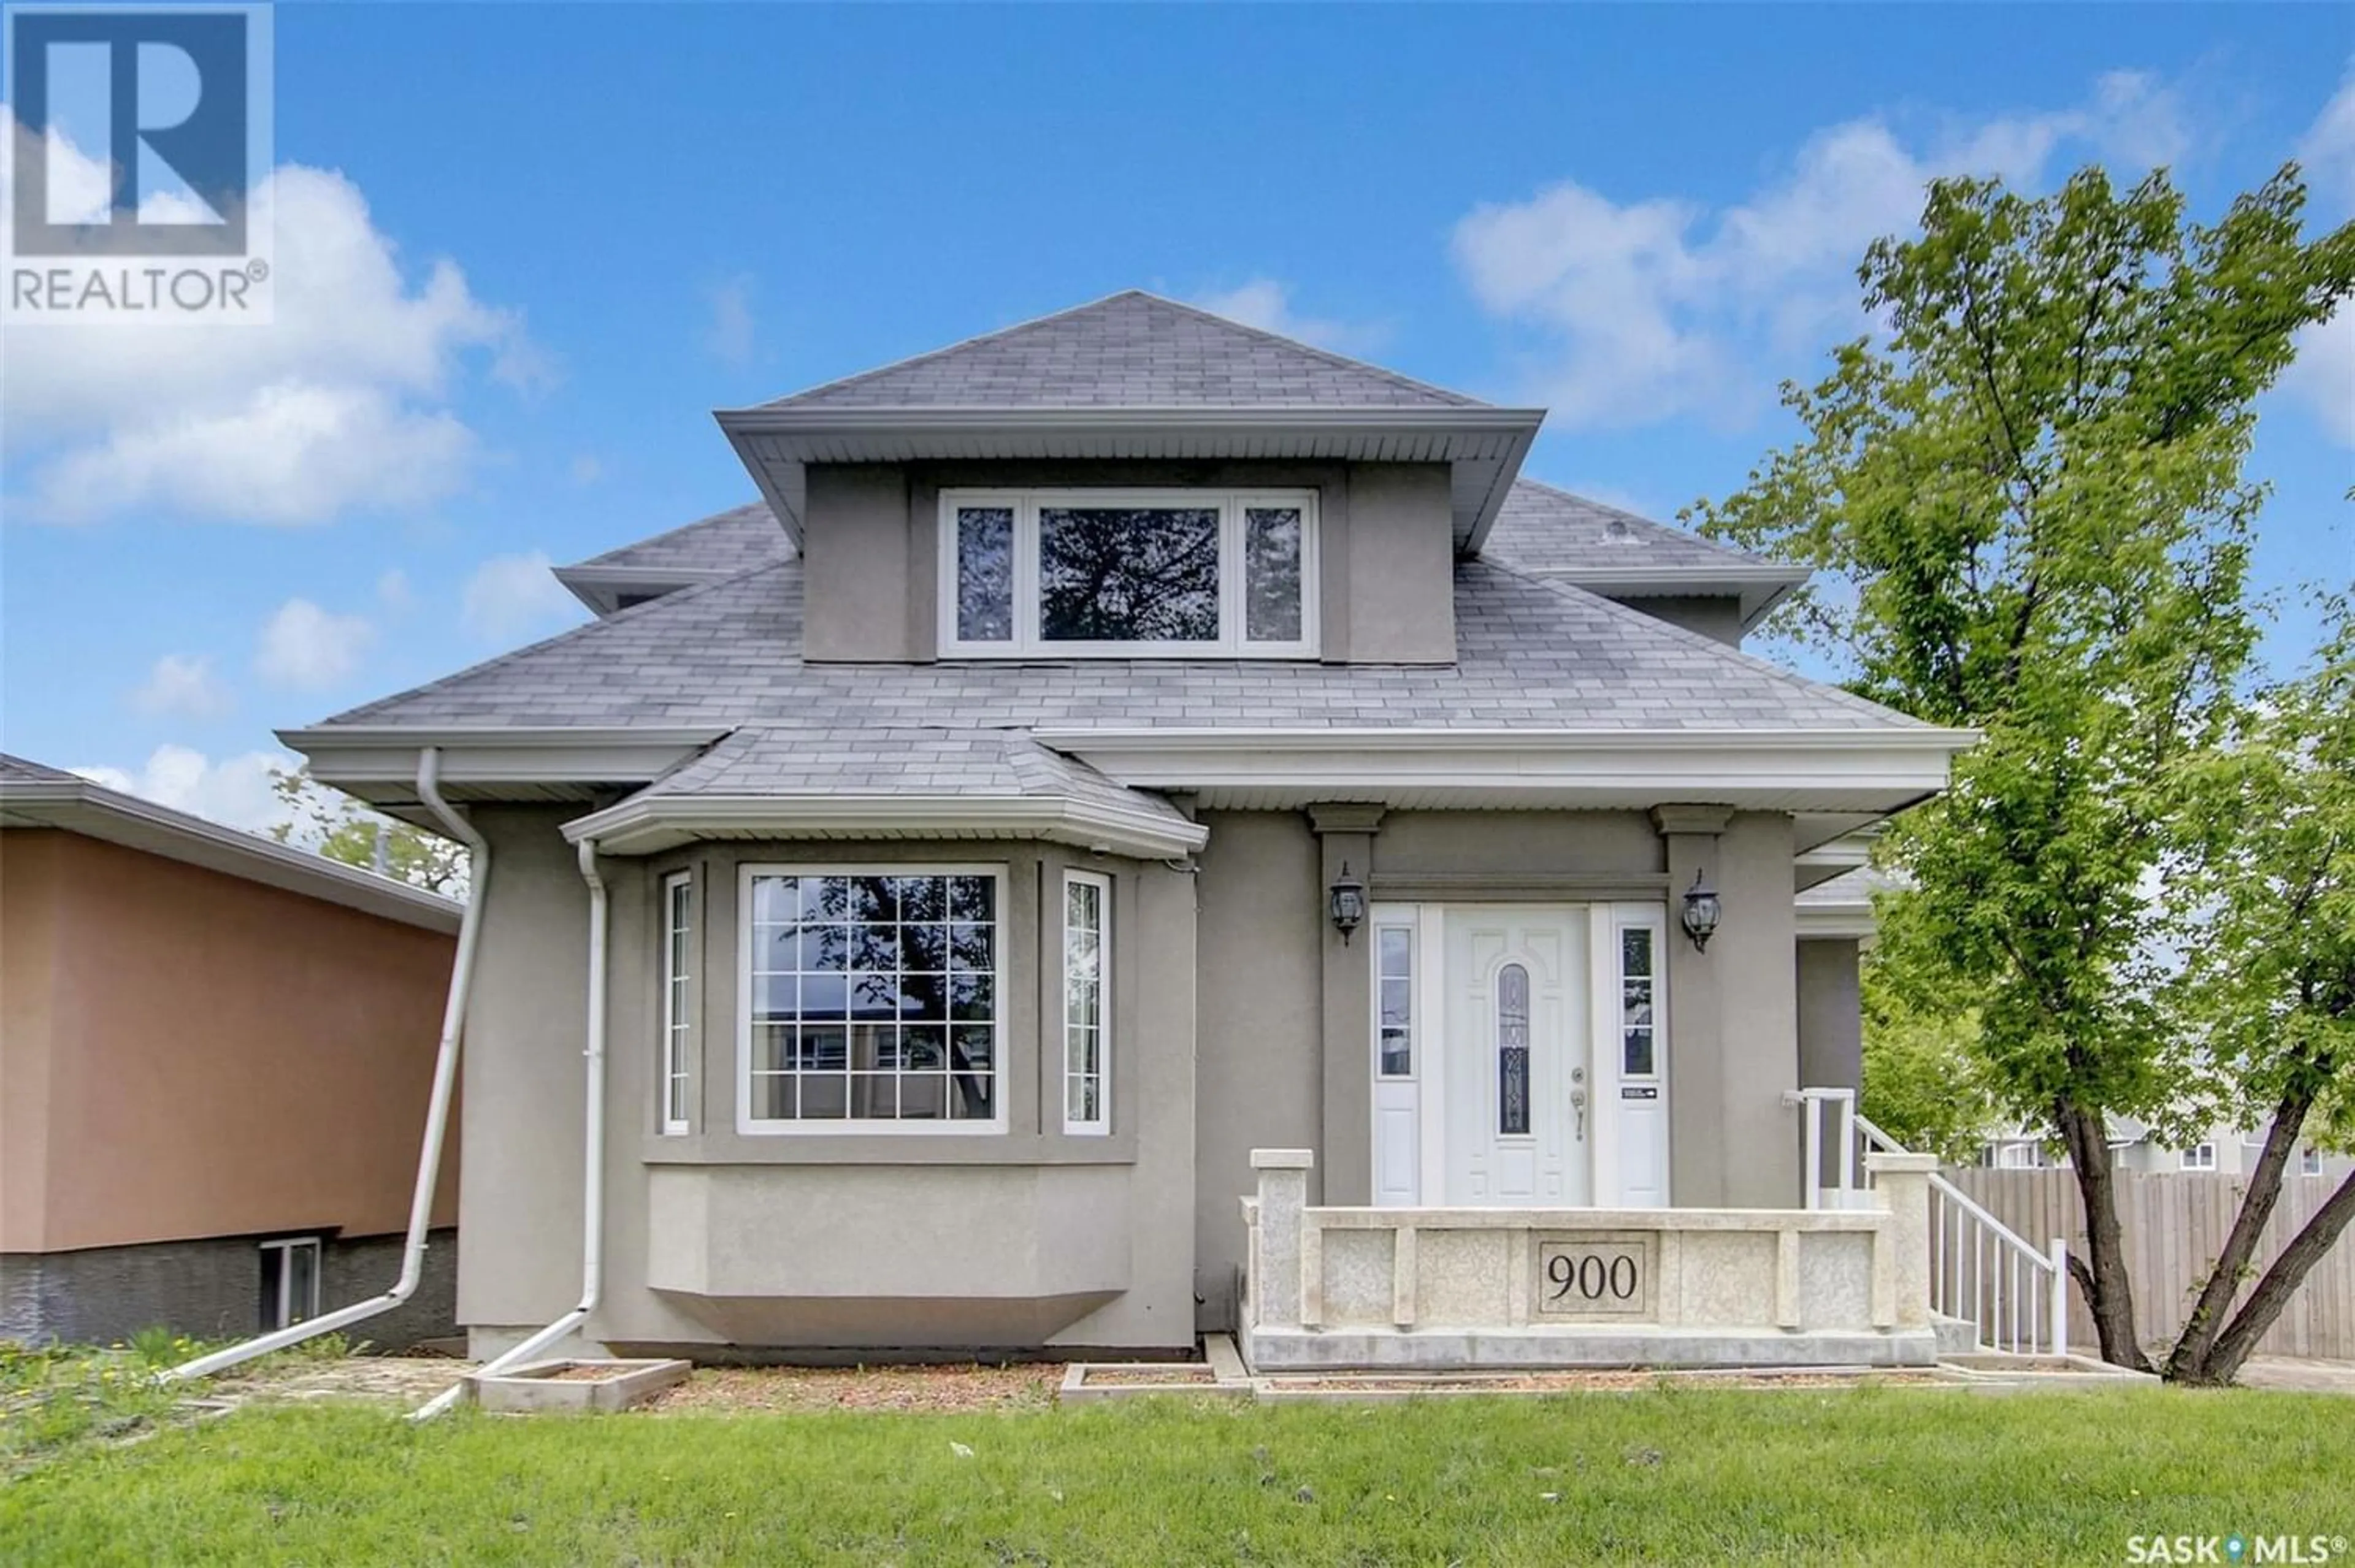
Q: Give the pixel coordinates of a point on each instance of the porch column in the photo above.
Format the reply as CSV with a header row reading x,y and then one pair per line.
x,y
1900,1184
1696,1016
1277,1277
1346,1137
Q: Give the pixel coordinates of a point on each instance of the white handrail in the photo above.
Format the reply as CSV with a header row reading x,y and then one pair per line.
x,y
2021,1304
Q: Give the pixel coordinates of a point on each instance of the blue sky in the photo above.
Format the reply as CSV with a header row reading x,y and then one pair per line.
x,y
524,250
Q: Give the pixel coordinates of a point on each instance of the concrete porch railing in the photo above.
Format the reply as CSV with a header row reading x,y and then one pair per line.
x,y
1441,1288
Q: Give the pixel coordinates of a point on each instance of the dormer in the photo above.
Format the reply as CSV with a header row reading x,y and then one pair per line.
x,y
1131,479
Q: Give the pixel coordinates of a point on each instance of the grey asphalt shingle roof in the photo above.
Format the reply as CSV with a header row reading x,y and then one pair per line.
x,y
1132,350
1546,529
1531,653
19,768
1540,528
894,760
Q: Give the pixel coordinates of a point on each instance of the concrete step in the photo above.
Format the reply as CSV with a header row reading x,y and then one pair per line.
x,y
1955,1336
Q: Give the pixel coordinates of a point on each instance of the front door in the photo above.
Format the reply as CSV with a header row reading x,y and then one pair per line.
x,y
1518,1101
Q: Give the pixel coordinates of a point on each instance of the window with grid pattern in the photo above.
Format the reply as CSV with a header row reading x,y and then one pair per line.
x,y
872,997
1087,1032
677,977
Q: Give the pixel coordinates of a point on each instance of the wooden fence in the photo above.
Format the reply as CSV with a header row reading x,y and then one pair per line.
x,y
2174,1224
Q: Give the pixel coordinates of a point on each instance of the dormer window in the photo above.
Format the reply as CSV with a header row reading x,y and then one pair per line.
x,y
1128,574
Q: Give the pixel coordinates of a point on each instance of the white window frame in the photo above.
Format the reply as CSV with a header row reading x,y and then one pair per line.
x,y
677,1032
2199,1157
1100,1124
2309,1160
286,1247
1000,1073
1234,589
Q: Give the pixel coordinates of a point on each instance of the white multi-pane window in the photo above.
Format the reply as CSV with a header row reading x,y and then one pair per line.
x,y
1087,1003
1128,573
290,1281
871,1000
1394,982
677,997
2199,1157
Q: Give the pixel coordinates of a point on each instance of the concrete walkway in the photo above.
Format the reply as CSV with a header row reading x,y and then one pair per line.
x,y
2298,1374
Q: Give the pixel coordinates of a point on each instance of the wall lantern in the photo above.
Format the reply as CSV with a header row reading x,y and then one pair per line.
x,y
1701,913
1349,903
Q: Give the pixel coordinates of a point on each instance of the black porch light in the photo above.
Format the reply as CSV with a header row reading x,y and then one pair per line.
x,y
1349,903
1701,912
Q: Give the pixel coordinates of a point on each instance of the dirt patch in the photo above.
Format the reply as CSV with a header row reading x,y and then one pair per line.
x,y
1176,1373
744,1389
399,1380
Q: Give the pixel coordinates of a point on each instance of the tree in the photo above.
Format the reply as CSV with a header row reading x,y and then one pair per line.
x,y
1922,1081
2029,500
341,829
2269,974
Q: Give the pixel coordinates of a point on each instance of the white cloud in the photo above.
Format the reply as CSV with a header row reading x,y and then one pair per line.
x,y
235,790
393,590
309,648
513,596
2328,148
728,336
342,404
184,686
2323,373
1266,304
1653,308
586,469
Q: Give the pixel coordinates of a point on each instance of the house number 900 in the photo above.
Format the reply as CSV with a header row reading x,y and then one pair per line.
x,y
1594,1277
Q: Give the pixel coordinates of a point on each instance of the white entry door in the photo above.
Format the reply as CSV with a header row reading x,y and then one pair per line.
x,y
1519,1102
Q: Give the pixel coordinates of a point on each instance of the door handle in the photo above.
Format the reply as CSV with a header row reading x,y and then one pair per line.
x,y
1578,1105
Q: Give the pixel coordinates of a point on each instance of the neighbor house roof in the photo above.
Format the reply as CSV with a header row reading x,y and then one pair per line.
x,y
1616,552
33,796
1136,377
696,552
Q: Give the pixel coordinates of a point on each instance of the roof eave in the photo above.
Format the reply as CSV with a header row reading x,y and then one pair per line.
x,y
648,824
601,587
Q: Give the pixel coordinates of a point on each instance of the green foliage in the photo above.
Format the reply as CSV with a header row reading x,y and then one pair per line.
x,y
1810,1476
2267,889
341,829
2030,508
1923,1085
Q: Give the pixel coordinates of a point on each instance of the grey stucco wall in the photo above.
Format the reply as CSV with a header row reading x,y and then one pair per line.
x,y
1831,1018
212,1289
1384,543
1713,616
693,1222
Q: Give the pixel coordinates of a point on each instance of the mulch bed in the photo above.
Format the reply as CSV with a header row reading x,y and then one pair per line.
x,y
1151,1377
726,1390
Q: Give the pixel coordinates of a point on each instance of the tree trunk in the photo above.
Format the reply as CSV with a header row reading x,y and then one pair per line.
x,y
2187,1360
2102,1273
2257,1314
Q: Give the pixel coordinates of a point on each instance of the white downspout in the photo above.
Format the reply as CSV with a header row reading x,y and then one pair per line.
x,y
437,1112
592,1206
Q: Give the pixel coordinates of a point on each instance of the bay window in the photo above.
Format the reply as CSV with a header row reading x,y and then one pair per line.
x,y
872,1000
1128,573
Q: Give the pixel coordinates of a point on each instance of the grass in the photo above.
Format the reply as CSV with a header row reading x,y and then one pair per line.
x,y
1884,1476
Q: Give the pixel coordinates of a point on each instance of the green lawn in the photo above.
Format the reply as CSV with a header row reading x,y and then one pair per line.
x,y
1875,1475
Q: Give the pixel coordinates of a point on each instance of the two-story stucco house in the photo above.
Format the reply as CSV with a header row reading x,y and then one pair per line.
x,y
1120,761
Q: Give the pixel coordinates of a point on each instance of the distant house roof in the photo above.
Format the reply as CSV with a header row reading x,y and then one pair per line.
x,y
1617,553
1134,377
35,795
700,551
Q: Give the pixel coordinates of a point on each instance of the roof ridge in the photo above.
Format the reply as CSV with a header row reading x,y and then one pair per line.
x,y
599,624
1673,632
900,364
1653,523
1327,355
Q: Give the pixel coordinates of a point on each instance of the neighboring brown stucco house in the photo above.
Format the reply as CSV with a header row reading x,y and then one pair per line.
x,y
1126,764
214,1052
